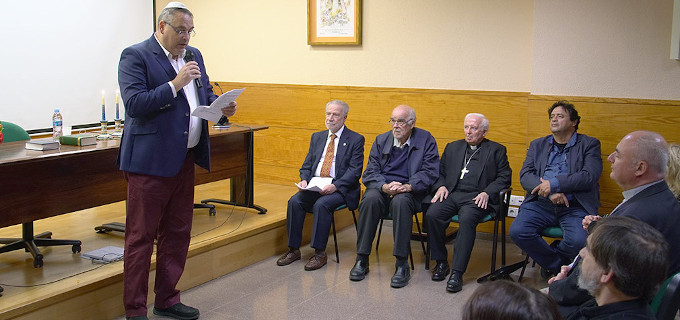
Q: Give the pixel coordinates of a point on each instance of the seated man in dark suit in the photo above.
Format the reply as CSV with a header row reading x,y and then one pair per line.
x,y
338,155
622,266
472,172
638,167
402,166
560,174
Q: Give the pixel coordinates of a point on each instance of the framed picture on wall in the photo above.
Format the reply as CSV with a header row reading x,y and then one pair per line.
x,y
333,22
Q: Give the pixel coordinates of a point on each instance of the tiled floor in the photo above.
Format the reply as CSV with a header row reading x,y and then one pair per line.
x,y
267,291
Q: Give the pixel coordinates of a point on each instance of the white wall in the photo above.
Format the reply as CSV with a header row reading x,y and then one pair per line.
x,y
447,44
605,48
62,54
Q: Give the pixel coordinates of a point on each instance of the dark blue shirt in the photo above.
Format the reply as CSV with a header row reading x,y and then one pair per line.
x,y
558,164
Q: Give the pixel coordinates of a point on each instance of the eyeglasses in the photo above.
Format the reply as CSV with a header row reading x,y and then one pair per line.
x,y
191,33
399,123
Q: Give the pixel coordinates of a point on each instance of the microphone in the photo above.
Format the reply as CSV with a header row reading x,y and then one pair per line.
x,y
218,86
224,121
189,56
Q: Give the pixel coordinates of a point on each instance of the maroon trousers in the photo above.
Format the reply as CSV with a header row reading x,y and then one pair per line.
x,y
157,208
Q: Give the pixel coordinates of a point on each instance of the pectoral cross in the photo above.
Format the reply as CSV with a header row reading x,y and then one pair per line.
x,y
463,172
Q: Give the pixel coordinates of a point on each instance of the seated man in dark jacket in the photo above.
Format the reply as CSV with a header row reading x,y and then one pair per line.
x,y
623,264
638,167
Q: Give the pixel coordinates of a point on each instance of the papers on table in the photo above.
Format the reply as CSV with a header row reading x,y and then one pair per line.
x,y
214,112
316,184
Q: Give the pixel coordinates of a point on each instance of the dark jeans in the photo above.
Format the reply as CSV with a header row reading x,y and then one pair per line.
x,y
535,216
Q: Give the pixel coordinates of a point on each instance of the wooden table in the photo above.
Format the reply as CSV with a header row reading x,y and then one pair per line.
x,y
40,184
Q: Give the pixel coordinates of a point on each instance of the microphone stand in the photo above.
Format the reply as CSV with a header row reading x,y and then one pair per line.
x,y
224,121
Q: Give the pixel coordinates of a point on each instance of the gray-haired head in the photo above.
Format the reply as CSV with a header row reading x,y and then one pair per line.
x,y
485,121
652,148
345,106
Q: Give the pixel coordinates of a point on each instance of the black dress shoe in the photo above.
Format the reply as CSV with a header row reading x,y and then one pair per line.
x,y
401,276
178,311
441,270
455,282
359,271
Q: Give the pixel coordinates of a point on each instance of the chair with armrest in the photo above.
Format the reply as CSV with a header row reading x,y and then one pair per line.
x,y
500,210
28,241
667,301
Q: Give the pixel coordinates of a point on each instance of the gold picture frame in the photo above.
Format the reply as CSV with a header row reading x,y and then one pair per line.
x,y
334,22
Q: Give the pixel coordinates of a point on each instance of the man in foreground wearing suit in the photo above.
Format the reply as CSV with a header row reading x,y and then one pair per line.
x,y
638,167
623,265
560,174
323,161
159,147
402,165
472,172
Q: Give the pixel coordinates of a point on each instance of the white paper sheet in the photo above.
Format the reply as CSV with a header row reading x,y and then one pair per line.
x,y
316,184
214,112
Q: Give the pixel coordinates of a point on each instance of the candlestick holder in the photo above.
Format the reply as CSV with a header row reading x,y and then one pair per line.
x,y
103,134
118,129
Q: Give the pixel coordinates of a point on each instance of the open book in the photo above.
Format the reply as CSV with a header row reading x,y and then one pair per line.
x,y
316,184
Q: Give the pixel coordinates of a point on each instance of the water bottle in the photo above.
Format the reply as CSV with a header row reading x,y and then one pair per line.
x,y
56,125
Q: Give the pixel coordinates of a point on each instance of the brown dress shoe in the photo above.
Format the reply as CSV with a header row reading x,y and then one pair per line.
x,y
288,257
316,262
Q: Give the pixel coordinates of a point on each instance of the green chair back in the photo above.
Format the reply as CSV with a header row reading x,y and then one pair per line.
x,y
658,299
13,132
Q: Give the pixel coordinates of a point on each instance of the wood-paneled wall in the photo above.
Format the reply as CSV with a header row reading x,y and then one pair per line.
x,y
294,112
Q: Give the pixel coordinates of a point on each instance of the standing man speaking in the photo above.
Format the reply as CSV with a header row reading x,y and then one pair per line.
x,y
162,80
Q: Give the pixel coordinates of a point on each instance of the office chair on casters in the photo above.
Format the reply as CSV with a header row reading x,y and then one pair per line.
x,y
210,207
28,241
667,301
420,234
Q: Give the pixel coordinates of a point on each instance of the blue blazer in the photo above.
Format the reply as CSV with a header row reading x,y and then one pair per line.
x,y
585,167
156,130
349,161
423,162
